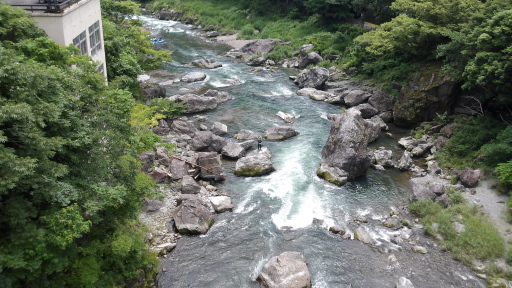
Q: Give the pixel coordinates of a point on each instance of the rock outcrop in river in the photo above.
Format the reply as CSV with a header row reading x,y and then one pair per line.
x,y
256,163
344,156
288,270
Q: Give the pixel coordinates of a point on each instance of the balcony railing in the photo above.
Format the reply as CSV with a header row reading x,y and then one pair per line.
x,y
48,6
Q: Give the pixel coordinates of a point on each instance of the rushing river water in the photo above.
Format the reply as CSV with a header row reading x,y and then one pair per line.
x,y
232,253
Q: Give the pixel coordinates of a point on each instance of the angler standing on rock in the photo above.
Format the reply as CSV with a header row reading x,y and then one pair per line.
x,y
259,142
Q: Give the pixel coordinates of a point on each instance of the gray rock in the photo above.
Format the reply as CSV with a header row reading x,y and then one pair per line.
x,y
245,134
381,101
164,248
356,97
459,227
194,103
393,223
192,217
259,61
316,95
363,235
405,162
211,34
288,118
312,78
247,144
193,77
151,92
387,116
256,163
182,126
233,150
288,270
207,141
367,110
178,168
151,205
280,133
373,129
159,175
206,63
443,200
377,120
344,156
404,283
305,49
219,129
383,157
221,203
469,177
421,193
211,166
220,97
437,189
253,48
337,230
419,249
310,59
162,128
189,185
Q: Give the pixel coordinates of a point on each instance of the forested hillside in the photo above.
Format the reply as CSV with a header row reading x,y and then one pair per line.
x,y
70,181
468,40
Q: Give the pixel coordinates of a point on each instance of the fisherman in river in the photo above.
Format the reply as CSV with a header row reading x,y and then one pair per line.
x,y
259,142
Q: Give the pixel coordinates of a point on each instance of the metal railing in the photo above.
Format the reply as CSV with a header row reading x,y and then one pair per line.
x,y
48,6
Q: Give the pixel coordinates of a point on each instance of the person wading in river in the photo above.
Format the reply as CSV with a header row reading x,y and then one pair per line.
x,y
259,142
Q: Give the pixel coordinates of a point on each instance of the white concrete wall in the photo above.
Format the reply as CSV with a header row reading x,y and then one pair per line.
x,y
64,27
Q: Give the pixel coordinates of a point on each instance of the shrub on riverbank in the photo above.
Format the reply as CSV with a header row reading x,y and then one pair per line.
x,y
478,240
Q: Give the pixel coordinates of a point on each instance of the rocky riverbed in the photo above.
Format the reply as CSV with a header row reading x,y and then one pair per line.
x,y
245,221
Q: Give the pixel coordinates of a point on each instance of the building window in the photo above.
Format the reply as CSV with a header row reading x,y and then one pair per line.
x,y
101,69
80,41
95,38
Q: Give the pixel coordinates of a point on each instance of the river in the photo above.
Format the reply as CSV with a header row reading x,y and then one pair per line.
x,y
291,209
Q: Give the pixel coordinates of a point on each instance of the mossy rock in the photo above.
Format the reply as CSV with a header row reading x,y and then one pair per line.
x,y
328,177
254,171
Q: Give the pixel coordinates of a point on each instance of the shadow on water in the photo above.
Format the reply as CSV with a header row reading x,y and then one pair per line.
x,y
290,209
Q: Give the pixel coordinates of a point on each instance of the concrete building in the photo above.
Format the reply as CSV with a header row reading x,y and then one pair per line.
x,y
76,22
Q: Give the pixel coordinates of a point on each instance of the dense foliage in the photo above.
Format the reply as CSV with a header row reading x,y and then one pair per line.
x,y
70,182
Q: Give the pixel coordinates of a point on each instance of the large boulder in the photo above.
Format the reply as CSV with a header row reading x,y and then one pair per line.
x,y
151,92
178,168
417,147
189,185
378,120
356,97
233,150
312,78
192,216
280,133
287,118
219,129
206,63
288,270
195,103
207,141
245,134
319,95
469,177
219,96
147,159
310,59
221,203
405,162
211,166
427,94
182,126
254,48
193,77
404,283
381,101
305,49
383,157
362,235
166,14
367,110
344,156
256,163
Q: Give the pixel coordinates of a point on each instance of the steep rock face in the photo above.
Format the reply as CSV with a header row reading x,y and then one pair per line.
x,y
344,156
426,94
288,270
